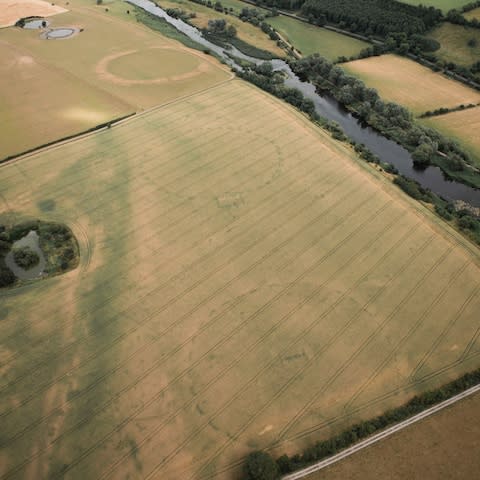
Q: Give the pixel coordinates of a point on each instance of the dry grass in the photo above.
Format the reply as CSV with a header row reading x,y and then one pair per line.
x,y
463,126
13,10
445,446
244,283
56,88
406,82
472,14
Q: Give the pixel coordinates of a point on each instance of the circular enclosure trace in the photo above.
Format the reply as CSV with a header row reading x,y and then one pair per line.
x,y
155,65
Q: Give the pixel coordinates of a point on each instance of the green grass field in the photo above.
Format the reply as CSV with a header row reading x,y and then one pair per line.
x,y
244,282
52,89
310,39
463,126
444,5
408,83
454,44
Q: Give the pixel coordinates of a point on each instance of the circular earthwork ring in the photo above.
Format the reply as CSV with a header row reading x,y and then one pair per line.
x,y
103,68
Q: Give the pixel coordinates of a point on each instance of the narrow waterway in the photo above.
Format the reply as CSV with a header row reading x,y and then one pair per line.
x,y
327,107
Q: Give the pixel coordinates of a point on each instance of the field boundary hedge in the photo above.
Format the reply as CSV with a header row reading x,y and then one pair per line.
x,y
326,448
68,137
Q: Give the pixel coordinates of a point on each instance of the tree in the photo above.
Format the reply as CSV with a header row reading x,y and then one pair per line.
x,y
231,31
422,155
261,466
6,277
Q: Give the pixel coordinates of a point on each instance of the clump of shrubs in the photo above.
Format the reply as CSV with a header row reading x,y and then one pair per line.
x,y
56,241
25,257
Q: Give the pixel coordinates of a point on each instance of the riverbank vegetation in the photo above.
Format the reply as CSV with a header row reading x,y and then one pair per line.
x,y
249,37
392,120
462,126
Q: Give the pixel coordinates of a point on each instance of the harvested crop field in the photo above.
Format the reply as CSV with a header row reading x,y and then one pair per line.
x,y
404,81
310,39
463,126
472,14
244,283
445,446
13,10
113,67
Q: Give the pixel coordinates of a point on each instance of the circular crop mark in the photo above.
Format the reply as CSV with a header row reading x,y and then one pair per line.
x,y
152,66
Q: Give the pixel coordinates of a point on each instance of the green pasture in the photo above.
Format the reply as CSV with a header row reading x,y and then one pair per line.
x,y
310,39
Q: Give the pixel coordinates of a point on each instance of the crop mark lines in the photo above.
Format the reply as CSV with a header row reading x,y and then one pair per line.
x,y
163,229
414,375
341,221
389,394
363,345
216,251
48,359
323,315
136,141
278,356
299,337
408,335
255,315
226,243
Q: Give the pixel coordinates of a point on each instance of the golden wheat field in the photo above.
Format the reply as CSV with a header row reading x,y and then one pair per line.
x,y
244,282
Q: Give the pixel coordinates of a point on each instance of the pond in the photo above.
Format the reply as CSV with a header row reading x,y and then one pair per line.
x,y
30,240
36,24
387,150
57,33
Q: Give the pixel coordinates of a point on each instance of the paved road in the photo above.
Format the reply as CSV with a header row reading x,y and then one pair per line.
x,y
379,436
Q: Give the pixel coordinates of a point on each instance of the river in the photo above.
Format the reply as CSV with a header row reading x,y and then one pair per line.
x,y
387,150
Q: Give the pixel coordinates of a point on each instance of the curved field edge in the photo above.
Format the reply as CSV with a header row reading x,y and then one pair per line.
x,y
237,254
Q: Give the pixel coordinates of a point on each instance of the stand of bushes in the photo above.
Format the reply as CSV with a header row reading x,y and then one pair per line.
x,y
56,241
261,466
444,110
